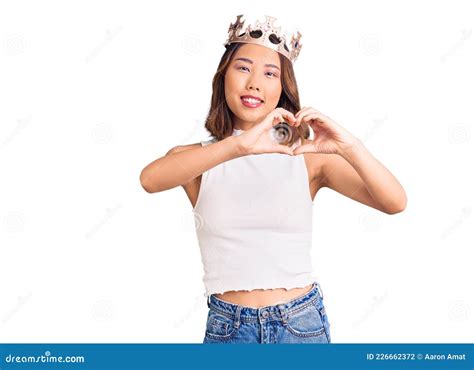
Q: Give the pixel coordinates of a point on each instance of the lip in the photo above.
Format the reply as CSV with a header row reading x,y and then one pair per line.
x,y
249,105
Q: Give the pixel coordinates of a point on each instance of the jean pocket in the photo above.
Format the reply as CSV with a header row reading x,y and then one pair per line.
x,y
306,322
219,326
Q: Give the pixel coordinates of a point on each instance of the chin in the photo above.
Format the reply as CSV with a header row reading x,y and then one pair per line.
x,y
253,115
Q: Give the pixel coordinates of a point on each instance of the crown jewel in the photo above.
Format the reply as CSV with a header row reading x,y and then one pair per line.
x,y
266,34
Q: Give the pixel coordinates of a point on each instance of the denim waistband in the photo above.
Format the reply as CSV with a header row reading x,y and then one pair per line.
x,y
278,311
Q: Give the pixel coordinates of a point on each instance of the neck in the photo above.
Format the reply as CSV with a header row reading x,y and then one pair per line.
x,y
240,128
243,125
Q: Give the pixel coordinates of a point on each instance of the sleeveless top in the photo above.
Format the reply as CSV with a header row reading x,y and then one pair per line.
x,y
253,220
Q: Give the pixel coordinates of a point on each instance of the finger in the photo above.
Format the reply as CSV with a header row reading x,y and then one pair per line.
x,y
306,148
312,116
277,118
301,111
287,114
302,116
311,109
283,149
319,116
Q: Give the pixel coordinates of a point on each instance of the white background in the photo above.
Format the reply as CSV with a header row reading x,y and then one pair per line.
x,y
91,92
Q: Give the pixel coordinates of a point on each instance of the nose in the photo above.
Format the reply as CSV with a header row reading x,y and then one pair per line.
x,y
252,84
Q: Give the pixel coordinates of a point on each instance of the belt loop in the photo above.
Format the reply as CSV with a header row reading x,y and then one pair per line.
x,y
237,317
284,314
320,291
208,299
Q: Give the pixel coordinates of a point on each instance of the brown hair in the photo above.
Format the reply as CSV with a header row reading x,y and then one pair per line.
x,y
219,118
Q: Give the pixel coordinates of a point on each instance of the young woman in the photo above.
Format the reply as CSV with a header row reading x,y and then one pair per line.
x,y
252,197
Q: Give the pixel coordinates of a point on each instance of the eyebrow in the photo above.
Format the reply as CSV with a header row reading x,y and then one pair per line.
x,y
251,62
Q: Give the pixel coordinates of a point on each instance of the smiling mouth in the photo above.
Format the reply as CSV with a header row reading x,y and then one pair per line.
x,y
251,102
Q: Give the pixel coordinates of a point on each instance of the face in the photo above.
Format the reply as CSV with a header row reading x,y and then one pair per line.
x,y
253,71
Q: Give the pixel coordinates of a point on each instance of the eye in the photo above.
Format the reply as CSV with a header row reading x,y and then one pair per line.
x,y
241,67
273,74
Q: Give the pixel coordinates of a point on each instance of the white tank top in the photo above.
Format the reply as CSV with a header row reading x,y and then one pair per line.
x,y
253,220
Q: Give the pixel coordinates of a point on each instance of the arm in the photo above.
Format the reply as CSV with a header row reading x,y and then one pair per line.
x,y
355,173
349,168
179,166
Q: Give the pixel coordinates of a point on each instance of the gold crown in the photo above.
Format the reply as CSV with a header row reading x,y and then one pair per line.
x,y
265,34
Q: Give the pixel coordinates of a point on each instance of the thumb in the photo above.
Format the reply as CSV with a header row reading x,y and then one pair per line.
x,y
306,148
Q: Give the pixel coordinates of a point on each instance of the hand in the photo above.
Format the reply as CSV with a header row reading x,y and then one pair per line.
x,y
257,140
329,137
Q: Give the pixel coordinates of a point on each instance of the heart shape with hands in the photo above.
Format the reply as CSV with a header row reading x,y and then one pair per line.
x,y
329,137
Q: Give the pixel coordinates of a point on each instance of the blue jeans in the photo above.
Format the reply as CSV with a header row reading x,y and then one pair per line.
x,y
301,320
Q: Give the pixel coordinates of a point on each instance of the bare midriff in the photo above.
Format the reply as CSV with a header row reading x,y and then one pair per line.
x,y
261,298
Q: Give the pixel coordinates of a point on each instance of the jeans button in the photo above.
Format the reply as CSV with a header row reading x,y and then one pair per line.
x,y
265,314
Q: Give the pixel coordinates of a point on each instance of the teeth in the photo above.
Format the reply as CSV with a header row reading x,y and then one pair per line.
x,y
251,101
